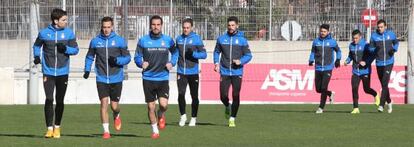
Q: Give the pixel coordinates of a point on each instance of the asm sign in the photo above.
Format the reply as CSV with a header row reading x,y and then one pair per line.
x,y
295,83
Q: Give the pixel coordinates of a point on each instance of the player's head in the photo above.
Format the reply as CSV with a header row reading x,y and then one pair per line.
x,y
323,30
107,25
232,24
381,26
187,25
156,24
356,36
59,18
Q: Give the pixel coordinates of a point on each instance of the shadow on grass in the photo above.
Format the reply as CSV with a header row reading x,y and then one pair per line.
x,y
309,111
176,123
22,135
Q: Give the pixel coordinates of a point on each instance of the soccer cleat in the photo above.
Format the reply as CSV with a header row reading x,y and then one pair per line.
x,y
49,134
390,107
117,123
183,119
332,97
319,111
155,136
161,123
192,122
227,112
232,123
355,111
56,133
106,135
380,109
377,99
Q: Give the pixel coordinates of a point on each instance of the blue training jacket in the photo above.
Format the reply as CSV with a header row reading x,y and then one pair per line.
x,y
102,48
155,49
381,44
232,47
190,48
357,53
55,63
322,53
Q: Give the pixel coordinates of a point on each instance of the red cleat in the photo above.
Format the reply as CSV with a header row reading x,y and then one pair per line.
x,y
117,123
155,136
161,123
106,135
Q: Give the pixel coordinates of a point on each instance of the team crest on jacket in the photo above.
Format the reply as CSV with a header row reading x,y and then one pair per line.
x,y
62,36
162,43
237,41
190,42
388,37
113,43
327,44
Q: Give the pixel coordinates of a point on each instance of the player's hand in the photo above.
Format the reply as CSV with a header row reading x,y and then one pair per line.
x,y
217,68
36,60
362,63
169,66
86,75
337,63
145,65
310,63
61,48
112,61
391,52
236,61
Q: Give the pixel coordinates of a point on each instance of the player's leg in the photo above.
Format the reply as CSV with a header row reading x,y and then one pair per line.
x,y
385,81
193,83
115,96
236,82
355,80
225,82
366,83
61,86
162,93
103,93
182,81
49,86
326,77
150,98
381,76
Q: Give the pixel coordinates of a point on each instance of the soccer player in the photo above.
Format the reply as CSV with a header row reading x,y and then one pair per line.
x,y
111,53
152,55
323,55
191,49
384,44
57,44
235,53
361,59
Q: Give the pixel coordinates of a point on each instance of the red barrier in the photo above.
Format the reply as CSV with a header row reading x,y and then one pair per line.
x,y
295,83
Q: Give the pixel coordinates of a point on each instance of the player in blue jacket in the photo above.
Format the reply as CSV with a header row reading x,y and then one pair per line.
x,y
323,55
52,48
361,59
231,53
152,55
111,53
384,44
191,49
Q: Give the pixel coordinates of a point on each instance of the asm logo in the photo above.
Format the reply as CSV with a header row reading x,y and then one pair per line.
x,y
287,79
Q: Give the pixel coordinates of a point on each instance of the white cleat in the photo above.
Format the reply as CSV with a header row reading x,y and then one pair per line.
x,y
183,119
332,97
319,111
380,109
390,107
193,122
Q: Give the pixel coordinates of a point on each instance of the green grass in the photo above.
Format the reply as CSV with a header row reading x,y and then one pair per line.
x,y
257,125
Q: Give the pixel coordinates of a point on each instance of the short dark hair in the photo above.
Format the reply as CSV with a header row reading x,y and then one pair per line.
x,y
324,26
155,17
187,20
107,19
57,14
233,18
381,21
356,32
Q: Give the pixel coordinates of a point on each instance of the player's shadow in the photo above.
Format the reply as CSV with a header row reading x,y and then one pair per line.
x,y
22,135
176,123
311,111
